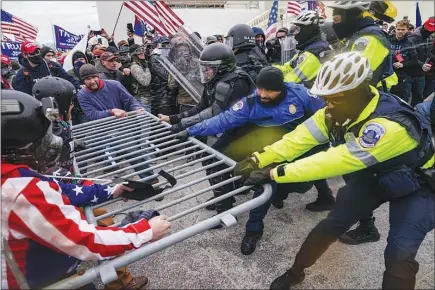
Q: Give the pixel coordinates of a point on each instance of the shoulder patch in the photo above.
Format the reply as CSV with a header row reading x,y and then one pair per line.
x,y
238,106
301,58
372,133
361,44
292,109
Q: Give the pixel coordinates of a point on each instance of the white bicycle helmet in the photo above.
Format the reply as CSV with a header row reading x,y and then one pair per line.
x,y
346,5
309,17
342,73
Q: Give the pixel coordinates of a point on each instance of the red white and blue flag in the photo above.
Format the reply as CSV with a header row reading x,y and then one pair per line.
x,y
273,20
156,14
17,27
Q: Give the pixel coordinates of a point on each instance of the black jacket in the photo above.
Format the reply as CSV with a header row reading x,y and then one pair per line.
x,y
411,66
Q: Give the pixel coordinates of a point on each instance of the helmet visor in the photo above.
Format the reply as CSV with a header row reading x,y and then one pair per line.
x,y
208,70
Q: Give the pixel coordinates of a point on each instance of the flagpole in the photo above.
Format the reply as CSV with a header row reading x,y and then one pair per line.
x,y
119,14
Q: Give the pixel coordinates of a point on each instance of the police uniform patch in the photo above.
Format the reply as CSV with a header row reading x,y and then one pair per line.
x,y
301,58
361,44
372,133
238,106
292,109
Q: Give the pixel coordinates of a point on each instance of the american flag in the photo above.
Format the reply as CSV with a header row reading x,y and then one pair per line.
x,y
157,14
17,27
295,8
273,20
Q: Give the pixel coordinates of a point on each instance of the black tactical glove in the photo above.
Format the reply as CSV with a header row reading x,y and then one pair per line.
x,y
244,168
176,128
182,136
259,177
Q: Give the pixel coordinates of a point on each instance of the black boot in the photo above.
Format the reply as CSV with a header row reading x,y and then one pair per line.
x,y
288,279
213,206
278,203
324,202
249,242
366,232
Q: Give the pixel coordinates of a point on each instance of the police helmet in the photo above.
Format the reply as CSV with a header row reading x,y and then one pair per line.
x,y
23,121
382,10
240,35
216,60
61,90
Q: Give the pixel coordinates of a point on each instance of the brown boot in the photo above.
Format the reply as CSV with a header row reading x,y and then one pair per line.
x,y
108,221
127,281
140,282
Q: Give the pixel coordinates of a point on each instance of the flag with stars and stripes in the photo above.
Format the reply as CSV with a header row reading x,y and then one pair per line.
x,y
19,28
43,213
273,20
157,14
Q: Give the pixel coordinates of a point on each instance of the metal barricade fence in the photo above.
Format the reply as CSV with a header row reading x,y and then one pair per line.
x,y
139,144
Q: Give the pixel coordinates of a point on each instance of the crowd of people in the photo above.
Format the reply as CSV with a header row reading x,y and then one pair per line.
x,y
352,98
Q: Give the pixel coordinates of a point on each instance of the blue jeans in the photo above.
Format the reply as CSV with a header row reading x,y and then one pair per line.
x,y
413,88
279,191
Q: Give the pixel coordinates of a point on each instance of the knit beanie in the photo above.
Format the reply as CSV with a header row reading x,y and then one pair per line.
x,y
270,78
87,70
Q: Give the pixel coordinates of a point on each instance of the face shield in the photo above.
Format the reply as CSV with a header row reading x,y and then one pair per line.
x,y
208,70
288,48
51,108
229,40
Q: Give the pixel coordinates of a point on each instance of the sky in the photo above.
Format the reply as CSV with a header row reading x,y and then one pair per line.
x,y
73,16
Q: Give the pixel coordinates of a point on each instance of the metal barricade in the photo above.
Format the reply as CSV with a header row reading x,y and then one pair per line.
x,y
116,147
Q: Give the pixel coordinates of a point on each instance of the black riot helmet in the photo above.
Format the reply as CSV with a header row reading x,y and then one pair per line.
x,y
240,36
216,60
27,136
61,90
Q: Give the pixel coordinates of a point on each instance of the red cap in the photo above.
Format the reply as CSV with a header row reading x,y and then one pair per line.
x,y
29,47
430,24
6,60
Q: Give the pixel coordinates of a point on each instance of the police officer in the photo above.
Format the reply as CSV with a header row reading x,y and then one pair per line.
x,y
362,34
353,22
313,51
241,39
224,85
265,116
379,144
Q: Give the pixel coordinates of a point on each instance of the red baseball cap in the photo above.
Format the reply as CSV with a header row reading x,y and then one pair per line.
x,y
6,60
430,24
29,47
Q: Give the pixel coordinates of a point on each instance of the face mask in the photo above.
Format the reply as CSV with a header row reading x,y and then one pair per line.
x,y
341,30
36,59
5,70
78,65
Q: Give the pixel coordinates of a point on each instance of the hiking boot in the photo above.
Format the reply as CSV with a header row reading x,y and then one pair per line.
x,y
213,206
140,282
288,279
249,242
366,232
322,203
